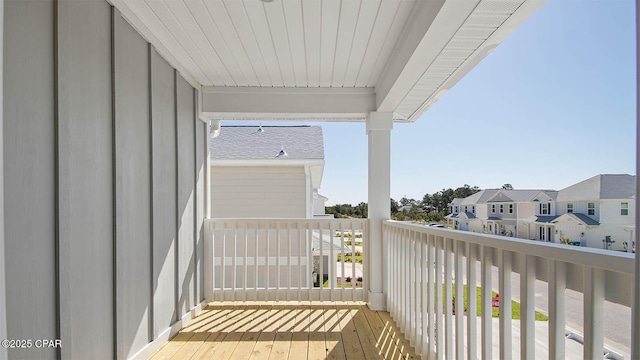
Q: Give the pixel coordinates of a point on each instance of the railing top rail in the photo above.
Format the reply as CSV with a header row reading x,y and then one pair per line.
x,y
285,221
612,261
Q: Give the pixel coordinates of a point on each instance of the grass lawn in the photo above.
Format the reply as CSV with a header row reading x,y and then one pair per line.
x,y
347,258
515,306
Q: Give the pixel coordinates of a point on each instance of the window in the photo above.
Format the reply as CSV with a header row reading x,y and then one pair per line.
x,y
473,209
542,237
544,209
569,208
624,208
591,208
455,209
493,209
501,208
466,209
510,208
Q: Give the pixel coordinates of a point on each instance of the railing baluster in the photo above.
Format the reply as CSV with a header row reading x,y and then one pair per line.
x,y
593,287
212,258
487,308
234,276
300,277
419,333
343,281
414,289
505,305
289,226
403,286
427,333
223,262
331,262
472,324
266,264
278,261
310,259
255,262
396,273
321,265
459,307
557,285
439,324
245,285
527,307
430,293
353,263
448,298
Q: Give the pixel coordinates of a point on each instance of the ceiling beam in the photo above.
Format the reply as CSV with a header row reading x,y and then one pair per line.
x,y
323,104
431,25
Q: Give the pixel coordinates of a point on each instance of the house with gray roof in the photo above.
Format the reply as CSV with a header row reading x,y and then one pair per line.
x,y
597,212
597,209
267,172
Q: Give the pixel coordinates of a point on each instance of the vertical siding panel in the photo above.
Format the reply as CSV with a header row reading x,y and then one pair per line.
x,y
164,192
85,173
29,173
186,194
133,163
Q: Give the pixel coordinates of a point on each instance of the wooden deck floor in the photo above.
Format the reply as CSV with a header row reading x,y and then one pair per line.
x,y
289,331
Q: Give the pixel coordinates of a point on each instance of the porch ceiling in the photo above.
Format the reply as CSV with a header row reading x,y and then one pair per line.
x,y
395,56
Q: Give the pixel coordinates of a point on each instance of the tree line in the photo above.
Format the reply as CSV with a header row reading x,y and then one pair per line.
x,y
432,207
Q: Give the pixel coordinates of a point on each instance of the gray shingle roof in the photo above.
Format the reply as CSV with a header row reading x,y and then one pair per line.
x,y
585,219
605,186
480,197
545,219
526,195
246,143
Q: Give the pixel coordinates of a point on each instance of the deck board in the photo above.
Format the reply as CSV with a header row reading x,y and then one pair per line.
x,y
291,330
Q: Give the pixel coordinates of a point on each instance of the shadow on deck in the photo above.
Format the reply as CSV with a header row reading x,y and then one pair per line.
x,y
277,330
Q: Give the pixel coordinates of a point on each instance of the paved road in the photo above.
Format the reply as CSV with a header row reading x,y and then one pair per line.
x,y
617,319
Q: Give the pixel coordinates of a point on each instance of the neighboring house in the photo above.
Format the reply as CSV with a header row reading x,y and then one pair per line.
x,y
267,172
271,172
599,208
595,208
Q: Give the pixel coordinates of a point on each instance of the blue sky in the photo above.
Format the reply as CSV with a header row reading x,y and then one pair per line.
x,y
554,104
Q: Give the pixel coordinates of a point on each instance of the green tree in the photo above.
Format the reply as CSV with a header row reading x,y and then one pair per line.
x,y
507,187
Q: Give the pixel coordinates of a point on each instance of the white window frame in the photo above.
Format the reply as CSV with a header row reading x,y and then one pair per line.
x,y
473,209
624,208
493,208
591,209
510,208
569,208
501,208
455,209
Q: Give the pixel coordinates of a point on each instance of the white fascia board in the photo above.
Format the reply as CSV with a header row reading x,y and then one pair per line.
x,y
329,104
130,16
430,27
267,162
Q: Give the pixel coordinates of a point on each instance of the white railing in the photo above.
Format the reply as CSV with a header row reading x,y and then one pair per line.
x,y
285,259
423,263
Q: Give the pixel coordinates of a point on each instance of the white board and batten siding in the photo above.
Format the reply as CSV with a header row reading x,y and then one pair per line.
x,y
258,192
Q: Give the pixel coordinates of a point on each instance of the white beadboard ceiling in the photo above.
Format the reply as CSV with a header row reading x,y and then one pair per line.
x,y
325,44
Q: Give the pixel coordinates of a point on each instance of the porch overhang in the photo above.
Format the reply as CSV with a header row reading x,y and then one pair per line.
x,y
324,60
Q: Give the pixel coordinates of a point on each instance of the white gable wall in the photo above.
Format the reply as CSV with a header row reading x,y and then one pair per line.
x,y
258,192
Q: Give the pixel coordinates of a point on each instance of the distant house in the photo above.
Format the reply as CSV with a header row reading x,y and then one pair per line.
x,y
597,212
267,172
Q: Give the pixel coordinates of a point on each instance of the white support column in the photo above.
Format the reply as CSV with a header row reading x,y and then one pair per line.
x,y
379,127
3,302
